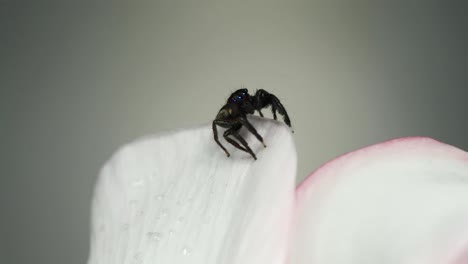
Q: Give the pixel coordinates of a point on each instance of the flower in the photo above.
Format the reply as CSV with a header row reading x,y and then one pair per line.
x,y
177,198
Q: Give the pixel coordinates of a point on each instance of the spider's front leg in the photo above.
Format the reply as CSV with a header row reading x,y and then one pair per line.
x,y
264,98
276,105
215,135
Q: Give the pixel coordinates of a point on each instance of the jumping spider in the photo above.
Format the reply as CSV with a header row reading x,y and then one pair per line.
x,y
233,115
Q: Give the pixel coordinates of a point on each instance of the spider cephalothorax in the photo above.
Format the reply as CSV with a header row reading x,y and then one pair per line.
x,y
233,115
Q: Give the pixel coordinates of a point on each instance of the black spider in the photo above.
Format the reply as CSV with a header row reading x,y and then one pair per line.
x,y
233,115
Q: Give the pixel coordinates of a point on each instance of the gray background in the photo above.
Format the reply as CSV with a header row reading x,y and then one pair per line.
x,y
80,79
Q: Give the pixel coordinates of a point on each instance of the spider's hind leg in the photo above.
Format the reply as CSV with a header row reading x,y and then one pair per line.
x,y
252,129
242,140
231,131
234,132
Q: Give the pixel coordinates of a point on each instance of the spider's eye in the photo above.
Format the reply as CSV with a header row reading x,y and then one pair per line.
x,y
239,97
234,99
243,93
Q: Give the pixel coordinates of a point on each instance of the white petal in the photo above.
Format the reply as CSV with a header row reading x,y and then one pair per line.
x,y
402,201
177,198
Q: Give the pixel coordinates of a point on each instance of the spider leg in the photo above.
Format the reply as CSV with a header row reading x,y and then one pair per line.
x,y
215,133
236,135
259,112
273,110
234,143
230,131
252,129
276,105
234,131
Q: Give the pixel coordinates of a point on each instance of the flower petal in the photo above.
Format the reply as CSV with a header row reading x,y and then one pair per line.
x,y
177,198
402,201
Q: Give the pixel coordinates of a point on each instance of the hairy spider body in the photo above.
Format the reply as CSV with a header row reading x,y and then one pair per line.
x,y
233,115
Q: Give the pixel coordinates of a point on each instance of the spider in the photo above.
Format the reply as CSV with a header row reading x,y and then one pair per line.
x,y
233,115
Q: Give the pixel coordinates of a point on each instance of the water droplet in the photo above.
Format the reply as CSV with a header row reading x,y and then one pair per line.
x,y
186,251
125,227
171,232
156,236
153,175
137,258
138,182
180,219
160,197
164,212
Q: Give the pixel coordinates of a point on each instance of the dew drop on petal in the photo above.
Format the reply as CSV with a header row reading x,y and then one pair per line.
x,y
164,212
124,227
133,203
137,182
171,185
156,236
154,174
186,251
137,258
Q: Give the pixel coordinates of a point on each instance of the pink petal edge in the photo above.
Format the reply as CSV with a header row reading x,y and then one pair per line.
x,y
424,143
421,146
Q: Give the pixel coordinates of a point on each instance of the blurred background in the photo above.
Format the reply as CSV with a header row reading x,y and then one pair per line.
x,y
80,79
